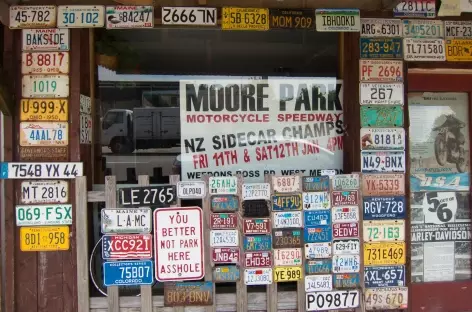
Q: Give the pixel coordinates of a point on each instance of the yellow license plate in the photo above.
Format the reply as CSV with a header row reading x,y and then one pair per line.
x,y
245,19
44,110
287,274
459,50
384,253
44,238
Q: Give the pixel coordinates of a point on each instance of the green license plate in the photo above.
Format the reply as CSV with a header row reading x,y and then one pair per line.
x,y
382,116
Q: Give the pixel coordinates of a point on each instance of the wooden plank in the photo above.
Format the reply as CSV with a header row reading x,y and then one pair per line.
x,y
95,196
81,224
241,288
110,202
206,242
272,293
146,290
301,295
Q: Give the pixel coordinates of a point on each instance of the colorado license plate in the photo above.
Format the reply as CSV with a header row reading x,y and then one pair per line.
x,y
44,238
322,266
346,230
315,184
384,253
323,301
287,238
389,161
381,94
224,238
256,191
120,273
223,221
346,280
384,230
318,282
381,48
286,184
382,139
419,49
346,247
44,110
376,27
257,243
129,220
384,276
261,276
316,217
415,28
43,215
256,226
342,198
346,263
223,185
258,259
45,63
135,246
44,133
287,256
129,16
345,182
345,214
316,200
392,207
287,274
319,234
318,250
286,202
225,255
45,86
383,184
287,219
381,116
380,71
32,16
389,298
44,192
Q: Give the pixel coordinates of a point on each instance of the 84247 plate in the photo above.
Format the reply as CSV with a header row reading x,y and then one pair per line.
x,y
389,161
382,139
125,16
381,93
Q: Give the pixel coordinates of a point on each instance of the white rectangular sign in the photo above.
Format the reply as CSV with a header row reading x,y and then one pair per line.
x,y
323,301
178,244
287,256
28,170
316,200
32,16
346,263
287,219
223,185
259,276
51,39
80,16
318,250
256,191
126,220
458,29
286,184
195,16
419,49
345,214
379,27
194,189
45,86
45,62
43,215
382,138
125,16
338,20
44,133
224,238
380,71
416,28
44,192
381,93
322,282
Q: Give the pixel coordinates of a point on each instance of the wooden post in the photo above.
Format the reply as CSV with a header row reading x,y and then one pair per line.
x,y
81,223
241,288
272,296
301,283
146,290
206,242
110,202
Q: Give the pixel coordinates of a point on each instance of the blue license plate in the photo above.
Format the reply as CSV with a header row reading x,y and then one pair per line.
x,y
439,182
315,184
381,48
257,243
316,217
226,273
318,234
130,273
286,202
224,203
392,207
346,280
318,266
384,276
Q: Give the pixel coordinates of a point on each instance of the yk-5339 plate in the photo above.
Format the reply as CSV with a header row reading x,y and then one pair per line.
x,y
382,116
287,238
286,202
383,184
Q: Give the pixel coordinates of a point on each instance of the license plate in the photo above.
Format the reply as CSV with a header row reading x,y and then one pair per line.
x,y
225,255
286,184
381,48
458,29
130,273
44,110
60,170
318,250
346,247
344,182
287,238
45,62
288,256
136,246
286,202
223,185
44,153
439,182
382,139
377,162
44,238
345,230
415,28
381,116
319,234
223,221
44,192
256,226
224,238
318,283
376,27
224,203
261,276
315,184
188,294
80,16
384,230
419,49
316,217
226,274
393,207
288,274
52,39
316,200
384,253
47,133
256,208
383,184
416,8
322,301
257,243
191,189
45,86
287,219
43,215
318,266
458,50
384,276
85,129
346,263
345,214
129,16
346,280
256,191
258,259
32,16
196,16
381,94
129,220
381,70
244,19
338,20
341,198
389,298
291,19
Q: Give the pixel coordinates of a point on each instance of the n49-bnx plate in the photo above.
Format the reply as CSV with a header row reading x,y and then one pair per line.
x,y
379,162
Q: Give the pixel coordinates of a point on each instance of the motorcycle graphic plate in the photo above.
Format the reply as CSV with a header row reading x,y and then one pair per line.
x,y
380,162
382,116
383,139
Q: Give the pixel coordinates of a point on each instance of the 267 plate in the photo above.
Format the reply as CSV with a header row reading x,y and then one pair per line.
x,y
381,93
389,161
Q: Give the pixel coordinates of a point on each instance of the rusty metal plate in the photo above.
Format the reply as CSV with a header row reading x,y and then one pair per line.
x,y
256,226
188,294
383,184
223,220
226,274
47,133
224,203
36,153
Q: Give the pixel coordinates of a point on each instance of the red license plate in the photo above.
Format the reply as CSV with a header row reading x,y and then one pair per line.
x,y
224,220
135,246
345,230
341,198
256,226
258,259
225,255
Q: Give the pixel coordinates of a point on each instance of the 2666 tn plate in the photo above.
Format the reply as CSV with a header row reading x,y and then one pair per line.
x,y
286,202
223,220
316,200
256,208
44,192
345,182
346,280
345,214
373,162
317,217
224,203
322,301
346,263
225,255
318,250
318,282
287,274
322,266
384,253
315,184
382,138
287,238
130,220
345,198
389,298
135,246
318,234
384,230
258,259
261,276
345,230
256,226
346,246
257,243
384,276
392,207
288,256
287,219
226,274
224,238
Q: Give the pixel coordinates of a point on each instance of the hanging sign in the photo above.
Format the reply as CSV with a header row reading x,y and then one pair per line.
x,y
383,184
379,27
389,298
288,256
244,19
381,70
191,189
258,259
128,273
338,20
193,16
44,133
459,50
381,48
286,184
315,184
45,62
188,294
45,86
51,39
32,16
43,215
382,139
60,170
256,191
384,276
381,116
85,129
415,8
126,221
415,28
318,250
224,203
44,238
346,246
341,198
381,94
344,182
318,283
80,16
291,19
316,200
44,110
260,276
322,301
391,207
286,202
384,230
135,246
128,16
148,196
458,29
373,162
384,253
318,266
419,49
223,185
44,192
225,255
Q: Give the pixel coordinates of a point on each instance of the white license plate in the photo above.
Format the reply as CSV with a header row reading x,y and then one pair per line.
x,y
52,39
44,192
339,20
287,219
382,139
345,214
126,220
287,256
259,276
384,230
379,162
80,16
344,182
256,191
193,189
316,200
28,170
381,93
416,28
223,185
45,62
286,184
376,27
419,49
346,247
41,86
380,71
43,215
458,29
224,238
85,129
318,282
389,298
189,16
318,250
415,8
32,16
44,133
346,263
118,16
323,301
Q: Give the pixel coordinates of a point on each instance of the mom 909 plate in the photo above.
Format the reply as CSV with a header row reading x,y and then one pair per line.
x,y
388,161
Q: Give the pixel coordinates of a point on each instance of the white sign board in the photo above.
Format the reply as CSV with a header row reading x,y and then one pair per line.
x,y
458,29
259,276
178,243
323,301
32,16
126,16
80,16
28,170
45,86
318,250
381,93
44,192
256,191
194,16
50,39
380,71
378,27
338,20
191,189
45,62
419,49
43,215
126,220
